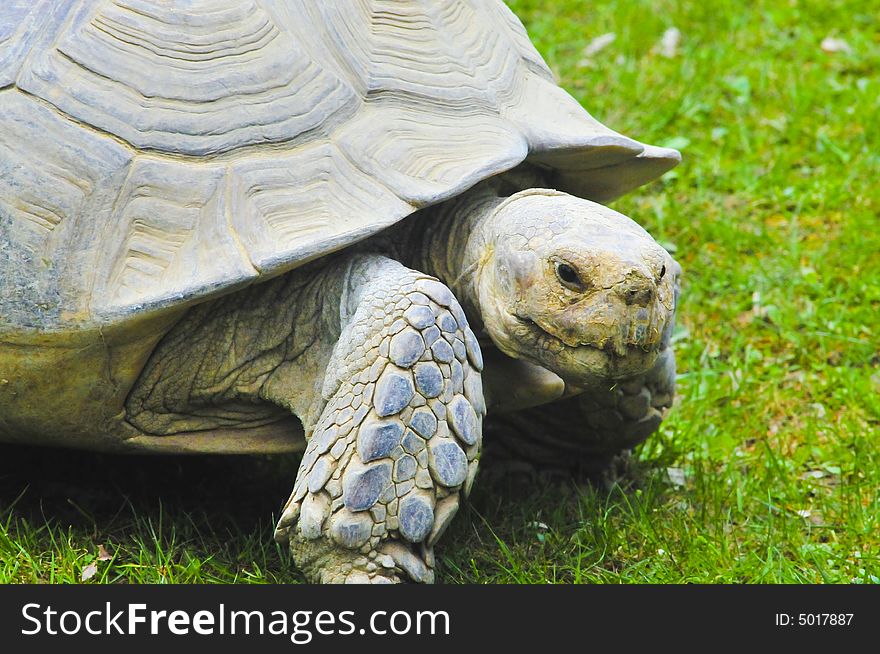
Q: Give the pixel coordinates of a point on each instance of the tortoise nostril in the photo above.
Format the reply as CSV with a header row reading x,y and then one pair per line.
x,y
639,291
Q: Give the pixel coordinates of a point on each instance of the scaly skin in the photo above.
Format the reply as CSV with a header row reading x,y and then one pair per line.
x,y
399,436
380,363
245,358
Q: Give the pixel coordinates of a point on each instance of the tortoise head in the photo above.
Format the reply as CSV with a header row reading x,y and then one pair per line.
x,y
575,287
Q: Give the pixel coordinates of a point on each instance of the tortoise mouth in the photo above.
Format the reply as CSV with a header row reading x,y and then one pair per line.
x,y
608,348
585,363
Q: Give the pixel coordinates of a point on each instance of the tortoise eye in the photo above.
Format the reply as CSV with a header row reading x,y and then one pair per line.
x,y
662,273
567,274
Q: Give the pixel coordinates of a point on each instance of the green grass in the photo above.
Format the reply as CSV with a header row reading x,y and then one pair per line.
x,y
774,217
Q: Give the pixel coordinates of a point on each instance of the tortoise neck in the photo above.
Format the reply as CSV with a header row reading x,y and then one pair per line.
x,y
452,242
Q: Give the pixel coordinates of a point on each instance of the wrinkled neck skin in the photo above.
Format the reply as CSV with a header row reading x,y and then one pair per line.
x,y
450,241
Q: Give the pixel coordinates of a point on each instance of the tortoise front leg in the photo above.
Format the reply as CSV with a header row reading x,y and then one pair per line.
x,y
399,437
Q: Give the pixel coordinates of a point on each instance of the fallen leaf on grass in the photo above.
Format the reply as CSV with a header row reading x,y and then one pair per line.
x,y
89,571
669,42
832,45
599,43
676,476
595,46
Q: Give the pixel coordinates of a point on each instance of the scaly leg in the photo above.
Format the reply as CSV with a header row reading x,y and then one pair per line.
x,y
399,437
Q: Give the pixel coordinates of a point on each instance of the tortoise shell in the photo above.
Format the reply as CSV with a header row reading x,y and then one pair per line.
x,y
155,153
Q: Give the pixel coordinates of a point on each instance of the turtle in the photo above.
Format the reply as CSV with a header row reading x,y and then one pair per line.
x,y
346,231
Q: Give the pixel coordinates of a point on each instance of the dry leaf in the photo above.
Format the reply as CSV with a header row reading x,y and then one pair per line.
x,y
832,45
676,476
89,571
595,46
668,45
599,43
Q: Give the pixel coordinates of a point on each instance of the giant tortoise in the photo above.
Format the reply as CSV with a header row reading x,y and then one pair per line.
x,y
284,226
